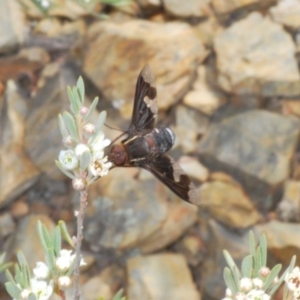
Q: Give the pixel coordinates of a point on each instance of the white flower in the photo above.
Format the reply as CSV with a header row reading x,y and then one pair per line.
x,y
64,281
264,271
245,284
45,3
68,159
258,295
41,271
89,128
257,282
80,148
100,167
99,144
24,294
228,292
65,260
41,289
240,296
292,279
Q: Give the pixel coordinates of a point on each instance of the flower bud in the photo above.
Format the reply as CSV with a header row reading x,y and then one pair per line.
x,y
78,184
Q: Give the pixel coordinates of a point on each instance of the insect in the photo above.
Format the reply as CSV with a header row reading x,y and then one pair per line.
x,y
146,145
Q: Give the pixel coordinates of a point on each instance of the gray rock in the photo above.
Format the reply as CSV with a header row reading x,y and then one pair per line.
x,y
255,147
186,9
250,54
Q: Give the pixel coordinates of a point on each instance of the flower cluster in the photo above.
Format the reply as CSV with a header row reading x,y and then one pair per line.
x,y
249,289
84,160
292,280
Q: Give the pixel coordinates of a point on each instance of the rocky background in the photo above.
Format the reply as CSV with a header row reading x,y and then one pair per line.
x,y
227,73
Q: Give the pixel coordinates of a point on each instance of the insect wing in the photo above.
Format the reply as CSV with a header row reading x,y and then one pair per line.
x,y
170,173
145,105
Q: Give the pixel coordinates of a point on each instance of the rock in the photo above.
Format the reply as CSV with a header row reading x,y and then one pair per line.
x,y
289,208
27,240
181,214
282,246
192,248
255,147
12,24
287,13
192,8
20,172
194,168
28,60
7,225
134,214
160,277
229,6
228,204
105,285
203,97
189,125
291,107
248,64
149,5
207,29
19,209
217,239
43,137
172,50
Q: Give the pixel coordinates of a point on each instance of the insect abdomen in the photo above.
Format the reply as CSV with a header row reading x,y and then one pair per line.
x,y
163,139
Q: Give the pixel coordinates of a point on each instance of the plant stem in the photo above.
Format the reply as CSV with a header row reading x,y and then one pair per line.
x,y
83,204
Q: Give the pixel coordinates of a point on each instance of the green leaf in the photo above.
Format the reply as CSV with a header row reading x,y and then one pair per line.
x,y
85,160
44,236
10,277
13,290
91,109
80,87
50,259
74,106
66,172
230,281
282,277
263,249
65,233
100,121
5,266
56,240
71,125
76,96
257,262
247,266
252,244
32,296
63,129
118,295
270,280
24,271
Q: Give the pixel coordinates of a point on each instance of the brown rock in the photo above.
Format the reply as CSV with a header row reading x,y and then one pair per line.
x,y
160,277
283,240
172,49
105,285
20,173
289,207
287,13
12,24
229,6
229,204
194,168
184,9
247,62
203,97
19,209
291,107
